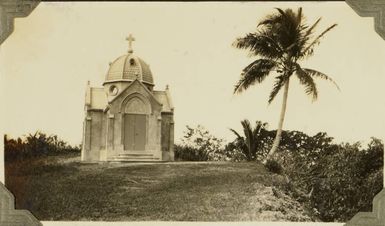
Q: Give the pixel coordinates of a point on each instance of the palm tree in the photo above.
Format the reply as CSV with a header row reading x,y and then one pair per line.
x,y
252,139
282,39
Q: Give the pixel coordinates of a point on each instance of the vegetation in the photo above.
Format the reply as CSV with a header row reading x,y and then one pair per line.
x,y
199,145
252,140
330,181
340,180
281,41
273,166
216,191
334,180
36,145
312,178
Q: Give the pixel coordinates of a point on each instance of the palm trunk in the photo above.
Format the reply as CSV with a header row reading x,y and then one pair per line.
x,y
280,124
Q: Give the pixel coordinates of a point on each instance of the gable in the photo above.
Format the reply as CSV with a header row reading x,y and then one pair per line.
x,y
164,98
135,90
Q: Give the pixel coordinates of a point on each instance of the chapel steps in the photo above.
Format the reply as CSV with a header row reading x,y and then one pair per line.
x,y
134,157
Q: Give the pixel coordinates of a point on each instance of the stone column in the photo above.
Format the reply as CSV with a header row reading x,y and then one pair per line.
x,y
87,138
118,132
158,143
110,132
171,141
159,131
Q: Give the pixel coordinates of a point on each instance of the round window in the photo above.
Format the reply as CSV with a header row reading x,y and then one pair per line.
x,y
114,90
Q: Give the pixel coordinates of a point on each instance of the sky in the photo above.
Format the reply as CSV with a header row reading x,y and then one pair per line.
x,y
47,61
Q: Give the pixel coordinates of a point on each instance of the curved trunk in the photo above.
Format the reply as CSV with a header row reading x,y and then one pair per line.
x,y
280,123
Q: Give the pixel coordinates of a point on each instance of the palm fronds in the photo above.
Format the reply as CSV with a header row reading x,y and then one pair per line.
x,y
255,72
317,74
306,80
251,141
279,82
281,39
308,50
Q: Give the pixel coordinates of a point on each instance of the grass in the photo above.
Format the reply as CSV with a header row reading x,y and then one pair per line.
x,y
216,191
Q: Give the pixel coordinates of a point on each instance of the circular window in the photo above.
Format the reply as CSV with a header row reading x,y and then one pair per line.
x,y
113,90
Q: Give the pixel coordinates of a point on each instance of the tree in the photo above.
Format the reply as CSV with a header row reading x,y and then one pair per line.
x,y
282,40
252,140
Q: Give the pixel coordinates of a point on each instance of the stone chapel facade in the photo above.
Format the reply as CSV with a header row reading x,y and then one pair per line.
x,y
126,119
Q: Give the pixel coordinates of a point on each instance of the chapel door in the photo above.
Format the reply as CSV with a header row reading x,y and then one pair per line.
x,y
134,132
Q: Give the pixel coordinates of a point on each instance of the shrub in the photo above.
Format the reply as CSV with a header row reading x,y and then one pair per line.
x,y
36,145
187,153
233,153
199,145
347,183
273,166
336,180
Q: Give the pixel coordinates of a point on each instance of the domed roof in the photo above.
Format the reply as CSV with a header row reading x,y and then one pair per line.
x,y
128,68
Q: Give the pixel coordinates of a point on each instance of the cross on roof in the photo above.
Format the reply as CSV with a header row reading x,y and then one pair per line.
x,y
130,39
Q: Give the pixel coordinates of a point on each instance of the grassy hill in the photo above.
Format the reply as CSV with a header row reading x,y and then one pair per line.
x,y
177,191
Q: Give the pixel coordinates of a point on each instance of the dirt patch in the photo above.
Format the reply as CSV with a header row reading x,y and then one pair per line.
x,y
272,204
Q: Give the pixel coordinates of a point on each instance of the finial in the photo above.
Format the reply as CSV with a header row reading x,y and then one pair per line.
x,y
130,39
167,87
88,82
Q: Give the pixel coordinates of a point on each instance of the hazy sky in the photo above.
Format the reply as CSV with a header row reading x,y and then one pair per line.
x,y
47,61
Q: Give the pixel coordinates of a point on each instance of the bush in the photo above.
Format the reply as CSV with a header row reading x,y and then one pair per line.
x,y
273,166
337,181
187,153
347,183
233,153
199,145
36,145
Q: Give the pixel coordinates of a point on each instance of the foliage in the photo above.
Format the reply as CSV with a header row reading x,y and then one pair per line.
x,y
233,153
334,180
281,40
348,183
252,141
273,166
36,145
337,181
199,145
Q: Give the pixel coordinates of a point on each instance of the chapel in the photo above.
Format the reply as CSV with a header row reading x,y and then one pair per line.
x,y
126,119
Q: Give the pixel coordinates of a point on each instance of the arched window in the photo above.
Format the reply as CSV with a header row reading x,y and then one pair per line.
x,y
136,105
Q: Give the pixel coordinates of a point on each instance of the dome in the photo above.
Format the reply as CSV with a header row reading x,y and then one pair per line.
x,y
128,68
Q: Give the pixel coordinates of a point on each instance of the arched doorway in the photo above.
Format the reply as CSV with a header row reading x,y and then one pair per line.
x,y
135,124
134,132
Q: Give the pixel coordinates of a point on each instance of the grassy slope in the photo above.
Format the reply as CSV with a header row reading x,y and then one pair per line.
x,y
175,191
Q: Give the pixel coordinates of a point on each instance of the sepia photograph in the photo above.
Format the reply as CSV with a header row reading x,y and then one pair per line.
x,y
193,111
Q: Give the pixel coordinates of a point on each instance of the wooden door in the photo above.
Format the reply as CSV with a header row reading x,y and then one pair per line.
x,y
134,132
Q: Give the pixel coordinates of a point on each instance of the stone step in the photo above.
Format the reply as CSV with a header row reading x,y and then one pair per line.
x,y
134,159
135,154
